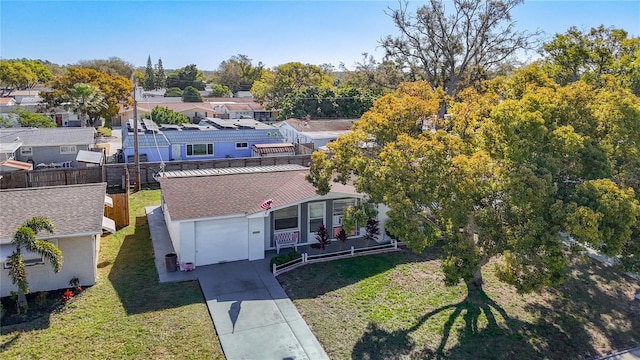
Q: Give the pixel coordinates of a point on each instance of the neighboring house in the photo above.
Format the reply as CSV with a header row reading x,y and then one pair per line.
x,y
194,111
197,144
31,101
314,133
76,211
7,104
218,218
47,146
243,110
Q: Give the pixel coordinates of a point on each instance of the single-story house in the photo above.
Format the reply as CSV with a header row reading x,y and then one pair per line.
x,y
315,133
240,110
59,146
197,144
239,213
76,211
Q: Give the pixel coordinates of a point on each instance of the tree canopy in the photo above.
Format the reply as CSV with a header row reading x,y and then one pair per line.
x,y
523,162
591,56
23,73
115,90
191,94
186,76
112,66
452,49
238,73
274,85
150,81
33,120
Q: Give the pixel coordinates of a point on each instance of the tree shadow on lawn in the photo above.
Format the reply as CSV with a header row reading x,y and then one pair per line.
x,y
494,341
135,277
595,307
332,275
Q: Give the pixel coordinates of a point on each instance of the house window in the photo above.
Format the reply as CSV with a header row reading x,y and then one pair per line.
x,y
26,150
285,219
30,258
199,149
338,213
68,149
242,145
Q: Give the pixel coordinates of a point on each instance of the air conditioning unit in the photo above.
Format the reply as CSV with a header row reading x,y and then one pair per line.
x,y
337,220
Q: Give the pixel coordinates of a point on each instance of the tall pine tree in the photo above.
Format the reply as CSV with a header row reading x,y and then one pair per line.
x,y
161,77
149,76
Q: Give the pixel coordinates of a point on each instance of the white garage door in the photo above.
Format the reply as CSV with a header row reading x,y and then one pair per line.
x,y
221,240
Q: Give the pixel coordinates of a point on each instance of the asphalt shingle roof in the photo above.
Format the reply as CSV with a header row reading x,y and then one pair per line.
x,y
73,210
219,195
48,136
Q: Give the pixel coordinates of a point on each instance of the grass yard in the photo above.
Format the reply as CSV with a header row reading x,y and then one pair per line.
x,y
127,314
395,305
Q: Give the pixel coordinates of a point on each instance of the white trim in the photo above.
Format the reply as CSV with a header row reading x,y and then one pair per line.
x,y
97,232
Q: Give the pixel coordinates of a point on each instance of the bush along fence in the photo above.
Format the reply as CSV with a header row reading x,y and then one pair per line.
x,y
281,265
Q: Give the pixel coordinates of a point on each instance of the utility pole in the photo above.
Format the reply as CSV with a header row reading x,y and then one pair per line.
x,y
135,138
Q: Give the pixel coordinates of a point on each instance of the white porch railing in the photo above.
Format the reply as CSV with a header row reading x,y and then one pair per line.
x,y
353,252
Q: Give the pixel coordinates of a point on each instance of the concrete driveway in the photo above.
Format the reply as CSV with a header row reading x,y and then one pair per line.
x,y
252,314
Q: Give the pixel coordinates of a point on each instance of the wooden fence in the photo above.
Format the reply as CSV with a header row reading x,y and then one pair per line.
x,y
51,177
114,174
119,213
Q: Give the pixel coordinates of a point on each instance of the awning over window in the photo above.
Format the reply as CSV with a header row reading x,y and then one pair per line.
x,y
108,225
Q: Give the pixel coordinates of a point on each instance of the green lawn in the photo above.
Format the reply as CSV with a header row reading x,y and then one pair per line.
x,y
127,314
396,306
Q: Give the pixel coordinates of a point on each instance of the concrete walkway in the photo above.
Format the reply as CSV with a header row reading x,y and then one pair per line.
x,y
252,314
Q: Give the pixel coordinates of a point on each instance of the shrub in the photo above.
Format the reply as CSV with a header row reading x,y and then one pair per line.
x,y
103,131
342,236
191,94
173,92
373,229
66,296
322,237
41,298
284,258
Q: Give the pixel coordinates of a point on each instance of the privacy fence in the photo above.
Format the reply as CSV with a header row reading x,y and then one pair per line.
x,y
115,174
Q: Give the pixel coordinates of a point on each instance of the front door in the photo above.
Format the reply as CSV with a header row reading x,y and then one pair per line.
x,y
316,218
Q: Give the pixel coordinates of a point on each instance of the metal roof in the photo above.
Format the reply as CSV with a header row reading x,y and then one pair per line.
x,y
233,170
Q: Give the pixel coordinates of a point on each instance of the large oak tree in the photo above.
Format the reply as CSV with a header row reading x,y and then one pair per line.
x,y
522,163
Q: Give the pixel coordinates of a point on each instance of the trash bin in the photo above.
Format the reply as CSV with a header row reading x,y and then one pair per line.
x,y
171,262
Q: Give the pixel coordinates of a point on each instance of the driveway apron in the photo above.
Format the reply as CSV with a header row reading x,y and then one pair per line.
x,y
252,314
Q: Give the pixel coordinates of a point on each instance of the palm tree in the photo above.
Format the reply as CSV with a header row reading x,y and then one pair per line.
x,y
25,237
84,98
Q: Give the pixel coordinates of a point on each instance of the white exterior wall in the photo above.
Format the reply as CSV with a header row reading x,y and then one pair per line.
x,y
173,227
382,218
187,242
80,260
257,235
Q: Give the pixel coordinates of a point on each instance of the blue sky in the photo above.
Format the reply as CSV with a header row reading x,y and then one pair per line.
x,y
275,32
